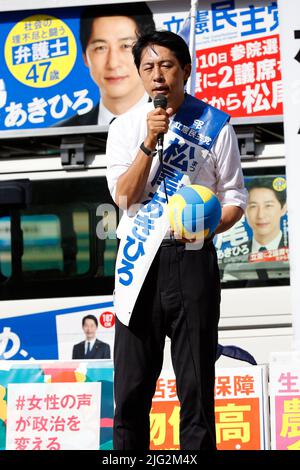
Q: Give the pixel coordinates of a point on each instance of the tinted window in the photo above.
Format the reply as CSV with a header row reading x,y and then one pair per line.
x,y
51,248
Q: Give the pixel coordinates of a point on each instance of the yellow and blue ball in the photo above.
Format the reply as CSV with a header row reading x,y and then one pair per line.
x,y
194,212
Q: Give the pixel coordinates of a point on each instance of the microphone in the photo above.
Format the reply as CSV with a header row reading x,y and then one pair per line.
x,y
160,101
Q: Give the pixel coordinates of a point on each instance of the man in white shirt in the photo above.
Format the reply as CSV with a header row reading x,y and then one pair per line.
x,y
107,34
265,208
180,296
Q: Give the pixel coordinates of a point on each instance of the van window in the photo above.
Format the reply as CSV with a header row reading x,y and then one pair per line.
x,y
51,248
5,248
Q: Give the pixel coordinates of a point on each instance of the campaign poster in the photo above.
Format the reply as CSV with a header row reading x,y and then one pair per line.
x,y
261,235
285,400
31,332
73,66
73,330
53,416
56,405
69,67
237,64
241,411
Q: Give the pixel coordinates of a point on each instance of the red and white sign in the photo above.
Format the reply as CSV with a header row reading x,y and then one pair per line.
x,y
107,319
237,55
240,410
280,254
243,79
51,416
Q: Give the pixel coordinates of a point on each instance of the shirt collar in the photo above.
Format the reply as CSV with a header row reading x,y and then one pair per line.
x,y
105,116
92,342
272,245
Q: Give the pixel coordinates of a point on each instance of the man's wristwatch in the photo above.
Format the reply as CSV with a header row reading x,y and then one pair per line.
x,y
148,152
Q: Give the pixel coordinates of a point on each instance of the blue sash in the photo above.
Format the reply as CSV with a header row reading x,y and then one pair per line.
x,y
199,122
191,135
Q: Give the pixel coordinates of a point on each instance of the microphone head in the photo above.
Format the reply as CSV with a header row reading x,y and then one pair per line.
x,y
160,101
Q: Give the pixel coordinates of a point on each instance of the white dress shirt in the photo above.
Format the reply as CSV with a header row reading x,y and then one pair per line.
x,y
272,245
221,172
92,342
105,116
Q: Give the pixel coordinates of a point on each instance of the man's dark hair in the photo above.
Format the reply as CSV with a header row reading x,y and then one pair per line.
x,y
90,317
140,13
267,183
166,39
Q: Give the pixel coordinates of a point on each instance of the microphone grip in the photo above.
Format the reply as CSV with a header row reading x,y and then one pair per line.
x,y
160,147
160,140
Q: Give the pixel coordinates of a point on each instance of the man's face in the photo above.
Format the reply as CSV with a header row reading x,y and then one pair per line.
x,y
89,329
109,56
264,212
161,72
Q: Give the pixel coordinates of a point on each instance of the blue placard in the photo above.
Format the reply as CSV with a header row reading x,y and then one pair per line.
x,y
43,78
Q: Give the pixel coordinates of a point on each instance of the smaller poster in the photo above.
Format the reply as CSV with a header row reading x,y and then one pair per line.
x,y
285,400
56,405
261,235
53,416
77,330
240,410
66,329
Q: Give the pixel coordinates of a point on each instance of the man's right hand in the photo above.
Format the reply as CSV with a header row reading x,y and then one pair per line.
x,y
131,183
157,123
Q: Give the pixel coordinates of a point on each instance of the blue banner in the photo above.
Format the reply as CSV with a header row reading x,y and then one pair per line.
x,y
35,336
43,78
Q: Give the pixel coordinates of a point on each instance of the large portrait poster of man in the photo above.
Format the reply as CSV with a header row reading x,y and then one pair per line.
x,y
107,34
261,236
70,66
73,66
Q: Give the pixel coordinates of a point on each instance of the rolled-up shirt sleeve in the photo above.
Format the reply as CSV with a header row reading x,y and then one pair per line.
x,y
117,154
230,187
